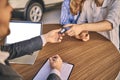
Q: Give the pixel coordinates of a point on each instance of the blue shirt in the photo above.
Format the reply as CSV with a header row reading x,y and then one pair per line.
x,y
66,16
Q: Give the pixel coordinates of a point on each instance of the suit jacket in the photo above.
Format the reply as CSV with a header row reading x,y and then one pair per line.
x,y
17,50
7,73
23,48
53,77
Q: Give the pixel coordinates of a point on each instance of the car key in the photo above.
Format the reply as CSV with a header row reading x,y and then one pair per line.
x,y
64,30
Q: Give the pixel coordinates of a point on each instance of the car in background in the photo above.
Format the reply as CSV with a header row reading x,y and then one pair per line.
x,y
32,9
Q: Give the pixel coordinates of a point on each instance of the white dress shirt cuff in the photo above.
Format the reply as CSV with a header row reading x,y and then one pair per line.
x,y
43,40
55,71
2,62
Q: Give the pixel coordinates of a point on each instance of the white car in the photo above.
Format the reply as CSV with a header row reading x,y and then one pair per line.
x,y
33,9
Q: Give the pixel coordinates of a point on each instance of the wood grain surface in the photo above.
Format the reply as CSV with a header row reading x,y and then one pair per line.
x,y
96,59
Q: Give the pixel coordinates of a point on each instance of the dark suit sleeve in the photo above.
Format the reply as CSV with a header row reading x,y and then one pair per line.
x,y
53,76
23,48
7,73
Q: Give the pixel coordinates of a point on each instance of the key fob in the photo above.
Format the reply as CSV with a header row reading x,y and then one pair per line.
x,y
64,30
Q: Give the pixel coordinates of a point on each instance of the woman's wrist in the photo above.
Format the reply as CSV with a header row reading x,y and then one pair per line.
x,y
83,27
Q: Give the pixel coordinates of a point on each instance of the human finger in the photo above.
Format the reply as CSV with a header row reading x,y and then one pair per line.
x,y
86,38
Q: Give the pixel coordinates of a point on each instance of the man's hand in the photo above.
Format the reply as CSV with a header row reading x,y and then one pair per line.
x,y
56,62
3,56
53,36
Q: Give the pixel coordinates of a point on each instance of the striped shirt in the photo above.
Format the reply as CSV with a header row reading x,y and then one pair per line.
x,y
66,16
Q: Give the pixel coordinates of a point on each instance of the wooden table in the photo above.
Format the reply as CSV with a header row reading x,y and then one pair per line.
x,y
96,59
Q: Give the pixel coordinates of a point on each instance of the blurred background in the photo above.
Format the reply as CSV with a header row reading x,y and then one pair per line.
x,y
47,11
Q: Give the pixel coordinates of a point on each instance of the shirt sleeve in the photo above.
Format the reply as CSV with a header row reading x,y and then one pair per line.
x,y
65,11
114,13
43,40
7,73
22,48
55,71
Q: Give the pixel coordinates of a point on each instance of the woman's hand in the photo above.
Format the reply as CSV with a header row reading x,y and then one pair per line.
x,y
75,29
84,36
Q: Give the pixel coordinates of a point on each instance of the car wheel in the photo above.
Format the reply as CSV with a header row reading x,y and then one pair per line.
x,y
34,12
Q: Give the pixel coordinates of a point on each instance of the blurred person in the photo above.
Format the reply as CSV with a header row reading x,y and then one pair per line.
x,y
7,73
70,14
101,16
70,11
15,50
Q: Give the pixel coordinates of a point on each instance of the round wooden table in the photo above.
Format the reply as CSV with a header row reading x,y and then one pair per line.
x,y
96,59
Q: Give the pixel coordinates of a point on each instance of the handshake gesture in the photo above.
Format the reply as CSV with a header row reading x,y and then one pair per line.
x,y
56,36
